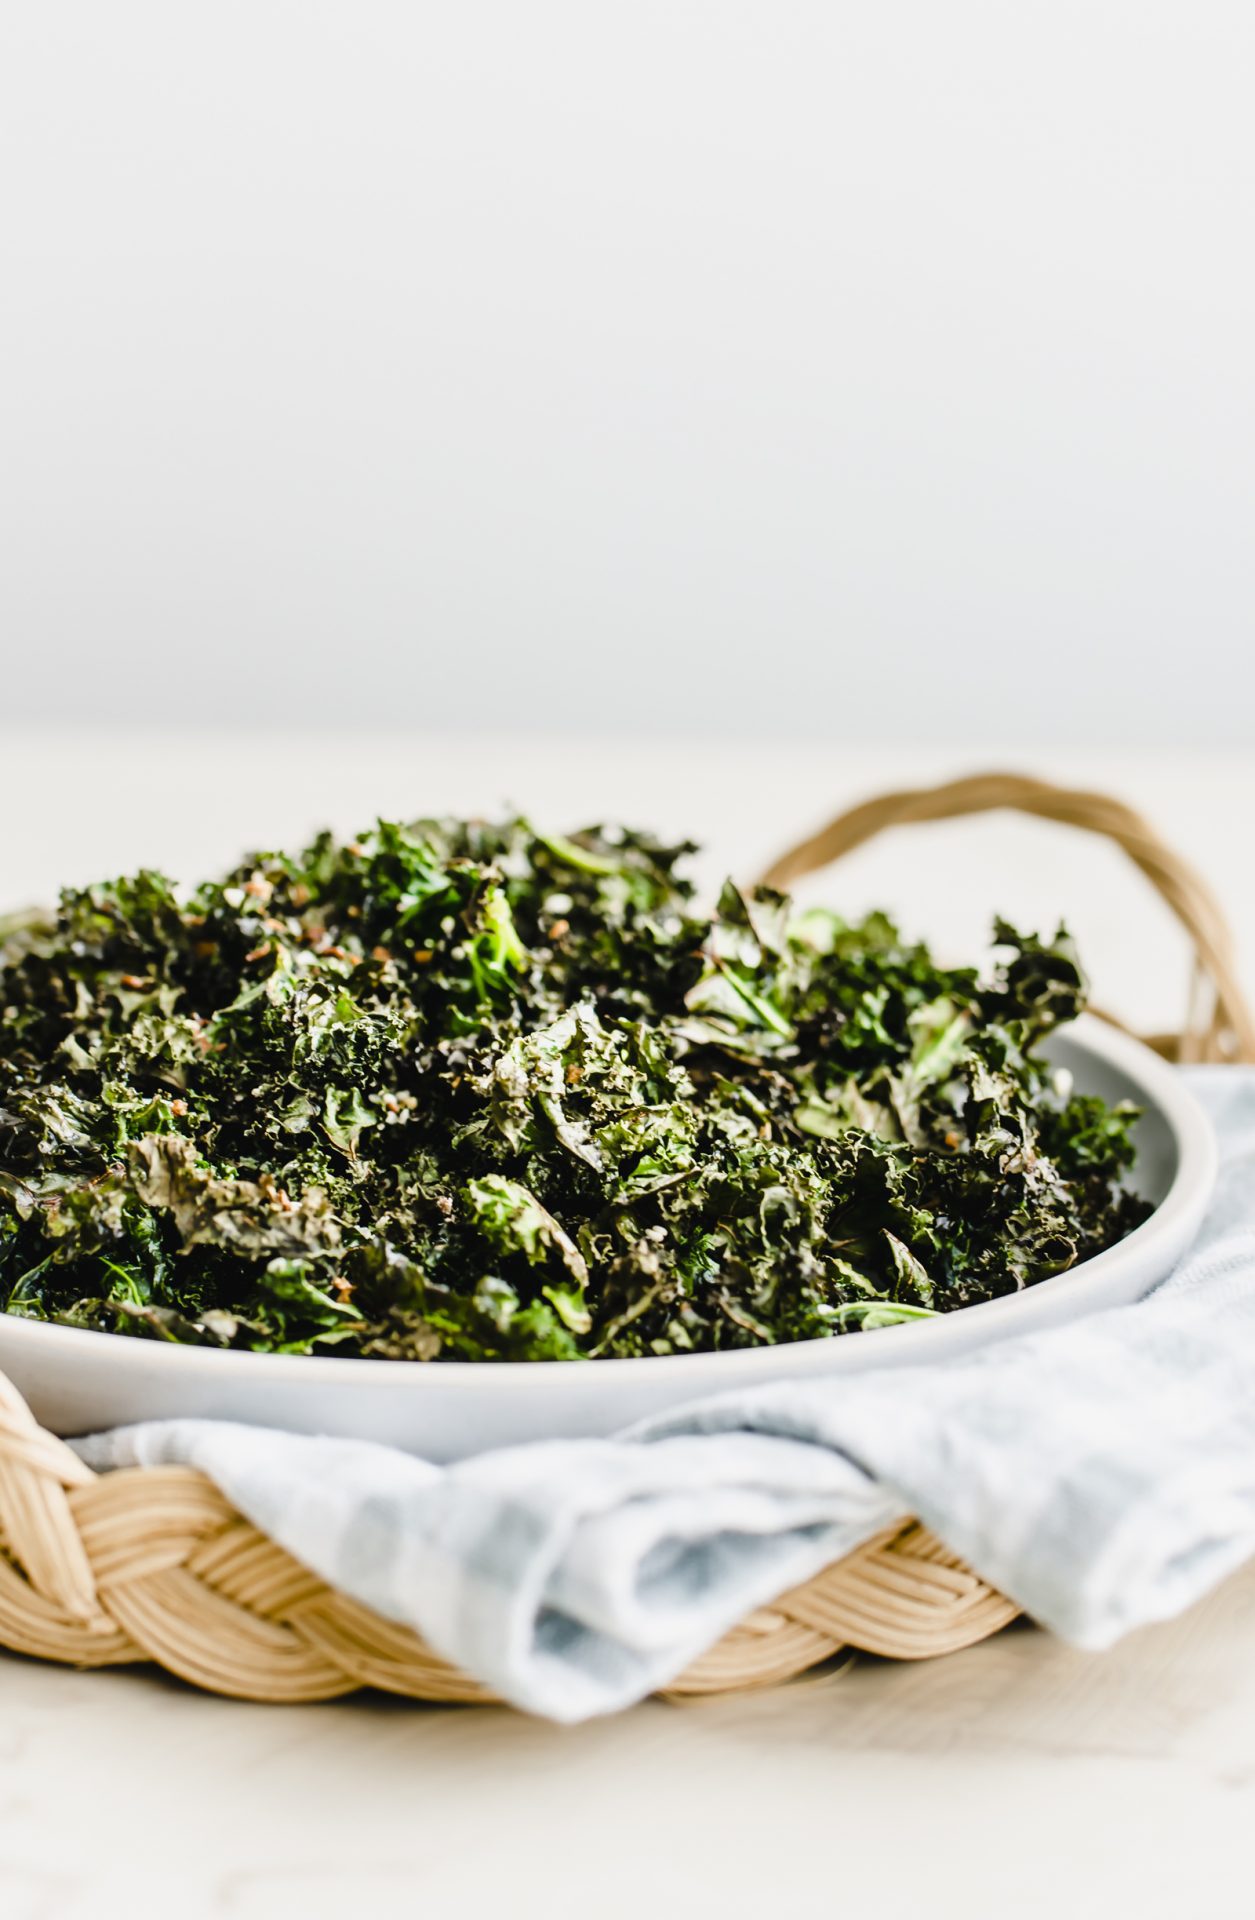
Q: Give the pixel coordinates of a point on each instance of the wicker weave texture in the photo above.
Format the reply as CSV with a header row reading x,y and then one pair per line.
x,y
155,1565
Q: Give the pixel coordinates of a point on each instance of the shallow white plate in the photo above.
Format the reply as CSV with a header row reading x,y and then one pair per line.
x,y
78,1382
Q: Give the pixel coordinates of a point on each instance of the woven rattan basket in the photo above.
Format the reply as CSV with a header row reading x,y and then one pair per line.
x,y
154,1564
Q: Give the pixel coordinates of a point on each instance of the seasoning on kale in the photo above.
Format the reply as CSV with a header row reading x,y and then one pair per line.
x,y
455,1091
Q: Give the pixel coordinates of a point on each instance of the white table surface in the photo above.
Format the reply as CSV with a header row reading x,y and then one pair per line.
x,y
1018,1778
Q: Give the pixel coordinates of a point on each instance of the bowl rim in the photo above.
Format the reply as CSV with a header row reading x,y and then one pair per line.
x,y
1157,1081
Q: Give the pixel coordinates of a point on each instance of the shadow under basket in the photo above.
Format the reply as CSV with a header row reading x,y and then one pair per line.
x,y
155,1565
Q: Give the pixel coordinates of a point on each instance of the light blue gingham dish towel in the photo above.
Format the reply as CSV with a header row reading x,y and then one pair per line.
x,y
1101,1474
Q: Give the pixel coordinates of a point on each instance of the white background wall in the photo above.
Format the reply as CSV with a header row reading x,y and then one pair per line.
x,y
877,369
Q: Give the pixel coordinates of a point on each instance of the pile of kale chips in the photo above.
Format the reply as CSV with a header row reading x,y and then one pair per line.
x,y
458,1091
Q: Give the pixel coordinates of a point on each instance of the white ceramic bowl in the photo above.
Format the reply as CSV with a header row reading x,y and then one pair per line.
x,y
78,1382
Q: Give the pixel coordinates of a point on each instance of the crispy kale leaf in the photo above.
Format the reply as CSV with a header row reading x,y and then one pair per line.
x,y
459,1091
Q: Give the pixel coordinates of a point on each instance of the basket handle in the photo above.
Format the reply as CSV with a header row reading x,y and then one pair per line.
x,y
1219,1023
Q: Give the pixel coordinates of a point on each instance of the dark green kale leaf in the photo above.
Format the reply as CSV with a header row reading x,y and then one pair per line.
x,y
467,1091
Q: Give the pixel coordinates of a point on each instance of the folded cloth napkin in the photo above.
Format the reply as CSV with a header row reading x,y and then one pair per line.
x,y
1102,1474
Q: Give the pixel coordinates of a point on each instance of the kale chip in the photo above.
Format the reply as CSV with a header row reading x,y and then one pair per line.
x,y
463,1091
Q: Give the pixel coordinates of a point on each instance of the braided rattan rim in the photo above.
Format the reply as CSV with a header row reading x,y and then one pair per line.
x,y
154,1564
